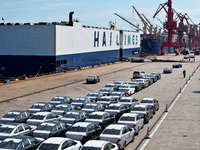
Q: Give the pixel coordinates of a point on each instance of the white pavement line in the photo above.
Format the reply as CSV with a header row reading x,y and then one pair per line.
x,y
158,125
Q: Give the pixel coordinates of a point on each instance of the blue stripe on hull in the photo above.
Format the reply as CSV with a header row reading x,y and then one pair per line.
x,y
12,66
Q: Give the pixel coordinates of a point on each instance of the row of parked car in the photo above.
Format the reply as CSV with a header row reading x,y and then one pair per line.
x,y
101,120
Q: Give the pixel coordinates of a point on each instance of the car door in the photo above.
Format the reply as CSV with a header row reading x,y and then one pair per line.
x,y
27,129
19,131
129,134
56,130
91,132
69,145
125,136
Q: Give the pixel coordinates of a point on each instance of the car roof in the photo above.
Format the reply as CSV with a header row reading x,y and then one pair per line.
x,y
16,111
62,105
11,125
148,99
56,140
140,105
106,97
95,143
92,104
50,123
115,126
129,114
19,137
129,98
92,75
42,113
98,113
116,104
82,124
75,112
40,103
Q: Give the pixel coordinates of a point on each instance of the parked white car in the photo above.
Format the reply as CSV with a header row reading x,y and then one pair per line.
x,y
132,120
60,143
127,89
128,101
143,82
145,110
151,101
99,145
14,129
139,74
41,117
118,134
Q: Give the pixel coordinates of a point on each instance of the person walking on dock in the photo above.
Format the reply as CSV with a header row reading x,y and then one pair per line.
x,y
184,73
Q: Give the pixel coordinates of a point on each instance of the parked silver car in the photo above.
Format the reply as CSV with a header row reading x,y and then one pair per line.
x,y
167,70
99,145
119,134
151,101
132,120
14,129
60,143
146,111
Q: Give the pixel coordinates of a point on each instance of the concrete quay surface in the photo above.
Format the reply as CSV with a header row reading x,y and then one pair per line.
x,y
177,129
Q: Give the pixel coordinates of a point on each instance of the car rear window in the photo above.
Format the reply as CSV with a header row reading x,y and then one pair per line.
x,y
111,131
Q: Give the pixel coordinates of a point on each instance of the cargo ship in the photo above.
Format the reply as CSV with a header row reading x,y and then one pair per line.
x,y
29,49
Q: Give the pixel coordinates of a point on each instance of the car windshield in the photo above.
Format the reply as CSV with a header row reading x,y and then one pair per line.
x,y
132,83
60,108
6,130
113,107
90,106
146,101
50,146
111,131
104,99
138,80
109,85
104,90
10,116
92,94
127,118
77,129
36,107
124,86
125,100
95,117
78,101
138,109
45,127
8,145
115,94
90,148
37,117
70,115
117,82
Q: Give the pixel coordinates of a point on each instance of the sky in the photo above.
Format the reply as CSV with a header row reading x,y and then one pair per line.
x,y
93,12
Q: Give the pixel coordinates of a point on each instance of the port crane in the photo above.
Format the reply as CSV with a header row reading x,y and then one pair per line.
x,y
146,25
181,28
170,25
135,26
